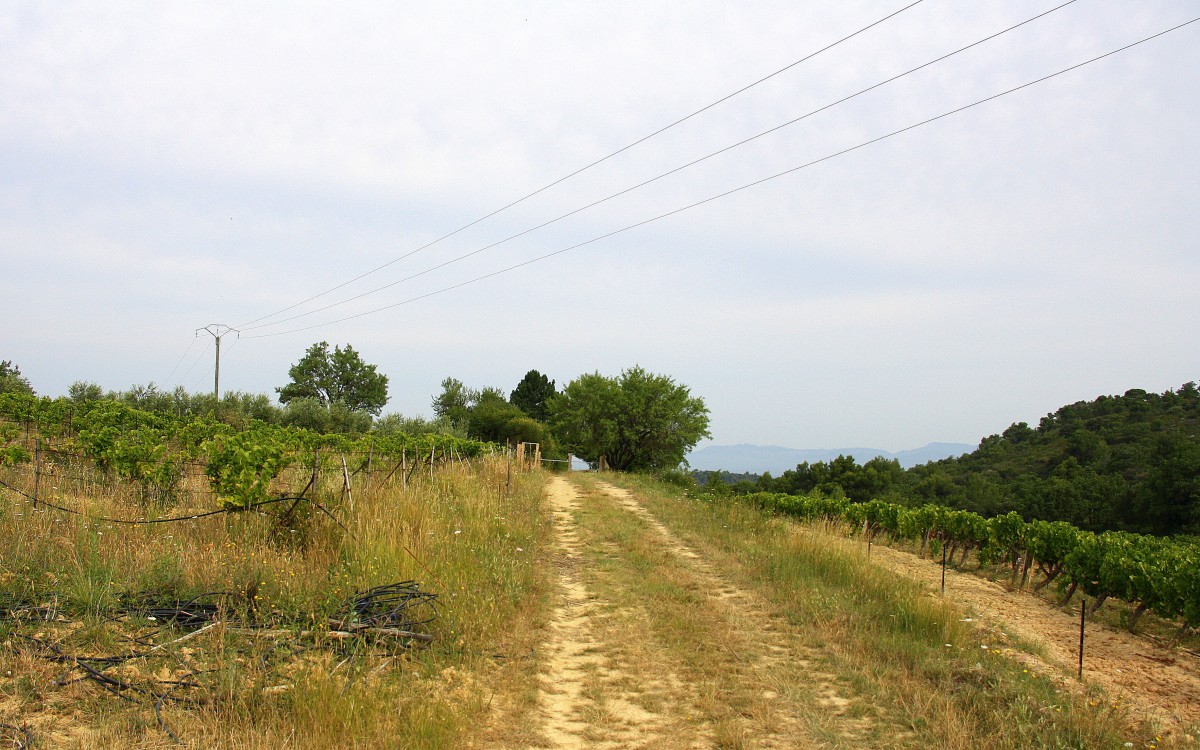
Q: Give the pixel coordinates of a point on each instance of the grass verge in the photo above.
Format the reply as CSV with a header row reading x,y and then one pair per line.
x,y
921,675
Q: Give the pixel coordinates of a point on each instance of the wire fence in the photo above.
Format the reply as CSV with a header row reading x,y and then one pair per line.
x,y
65,479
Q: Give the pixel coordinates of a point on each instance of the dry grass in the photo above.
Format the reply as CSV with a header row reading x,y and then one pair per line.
x,y
902,660
460,535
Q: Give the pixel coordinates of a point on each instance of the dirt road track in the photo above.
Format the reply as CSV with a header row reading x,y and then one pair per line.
x,y
607,683
608,679
585,700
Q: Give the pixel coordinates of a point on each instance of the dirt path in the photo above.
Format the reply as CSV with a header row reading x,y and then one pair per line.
x,y
586,698
609,681
1156,683
652,644
765,642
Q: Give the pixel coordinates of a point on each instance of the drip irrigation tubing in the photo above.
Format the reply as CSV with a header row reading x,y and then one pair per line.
x,y
22,736
173,519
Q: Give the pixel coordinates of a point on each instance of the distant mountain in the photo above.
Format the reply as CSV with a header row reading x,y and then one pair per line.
x,y
757,459
931,452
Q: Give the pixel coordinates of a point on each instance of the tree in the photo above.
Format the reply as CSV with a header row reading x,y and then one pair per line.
x,y
311,414
82,391
490,416
532,394
11,379
636,421
339,377
454,402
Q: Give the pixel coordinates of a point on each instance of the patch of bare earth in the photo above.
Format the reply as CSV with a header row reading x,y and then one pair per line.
x,y
590,696
1155,683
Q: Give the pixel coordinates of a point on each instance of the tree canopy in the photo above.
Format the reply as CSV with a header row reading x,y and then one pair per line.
x,y
487,414
338,376
454,402
636,421
1127,463
532,395
11,379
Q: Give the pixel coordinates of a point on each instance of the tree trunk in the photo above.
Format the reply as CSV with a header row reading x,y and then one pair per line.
x,y
1070,593
1137,615
1025,571
1184,630
1016,567
1099,602
1051,574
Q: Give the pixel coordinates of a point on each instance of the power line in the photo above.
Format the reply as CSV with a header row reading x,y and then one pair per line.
x,y
668,173
747,186
584,168
181,358
195,362
217,331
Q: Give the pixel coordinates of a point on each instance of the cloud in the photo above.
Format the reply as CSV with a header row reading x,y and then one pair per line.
x,y
165,167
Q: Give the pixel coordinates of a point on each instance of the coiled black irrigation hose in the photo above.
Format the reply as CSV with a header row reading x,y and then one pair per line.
x,y
397,610
386,609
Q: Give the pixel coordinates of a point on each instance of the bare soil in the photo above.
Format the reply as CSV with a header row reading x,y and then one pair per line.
x,y
606,684
587,698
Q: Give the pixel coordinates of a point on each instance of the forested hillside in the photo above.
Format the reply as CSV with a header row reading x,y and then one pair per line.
x,y
1128,462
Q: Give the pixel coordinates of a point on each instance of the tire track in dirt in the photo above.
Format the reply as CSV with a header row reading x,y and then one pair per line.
x,y
1157,684
586,699
765,643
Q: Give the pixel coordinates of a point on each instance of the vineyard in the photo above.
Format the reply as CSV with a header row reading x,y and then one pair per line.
x,y
183,580
1155,574
105,439
263,586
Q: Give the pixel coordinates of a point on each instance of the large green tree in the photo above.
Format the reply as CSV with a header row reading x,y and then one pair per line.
x,y
338,376
636,421
532,394
455,401
11,379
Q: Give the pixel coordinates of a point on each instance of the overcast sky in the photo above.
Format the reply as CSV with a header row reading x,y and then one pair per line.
x,y
164,166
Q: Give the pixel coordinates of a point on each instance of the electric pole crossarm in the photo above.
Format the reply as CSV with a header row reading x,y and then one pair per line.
x,y
217,330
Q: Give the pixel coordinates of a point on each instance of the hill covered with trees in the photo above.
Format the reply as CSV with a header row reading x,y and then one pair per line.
x,y
1129,462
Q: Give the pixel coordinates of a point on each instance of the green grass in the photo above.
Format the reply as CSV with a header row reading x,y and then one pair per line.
x,y
886,639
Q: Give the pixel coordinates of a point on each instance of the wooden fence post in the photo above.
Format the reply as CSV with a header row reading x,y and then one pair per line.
x,y
346,482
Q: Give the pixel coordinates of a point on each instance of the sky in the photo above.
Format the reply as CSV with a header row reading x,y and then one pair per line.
x,y
166,166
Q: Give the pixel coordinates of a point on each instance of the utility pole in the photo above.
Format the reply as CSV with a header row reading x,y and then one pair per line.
x,y
217,330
